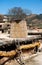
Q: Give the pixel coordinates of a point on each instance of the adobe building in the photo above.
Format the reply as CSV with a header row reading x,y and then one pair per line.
x,y
18,29
4,24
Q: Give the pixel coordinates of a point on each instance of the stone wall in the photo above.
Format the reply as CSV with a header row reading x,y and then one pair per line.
x,y
18,30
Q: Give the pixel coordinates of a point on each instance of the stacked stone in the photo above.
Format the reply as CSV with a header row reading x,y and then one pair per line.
x,y
18,30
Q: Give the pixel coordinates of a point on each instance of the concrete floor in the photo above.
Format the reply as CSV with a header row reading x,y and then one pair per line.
x,y
33,61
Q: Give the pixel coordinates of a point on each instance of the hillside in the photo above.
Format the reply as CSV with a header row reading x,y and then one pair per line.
x,y
34,20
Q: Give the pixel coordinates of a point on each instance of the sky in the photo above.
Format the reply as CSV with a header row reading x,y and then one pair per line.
x,y
34,5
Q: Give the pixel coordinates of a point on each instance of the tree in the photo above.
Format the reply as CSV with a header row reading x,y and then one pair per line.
x,y
16,13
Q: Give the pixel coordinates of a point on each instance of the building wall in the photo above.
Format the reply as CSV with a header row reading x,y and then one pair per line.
x,y
18,30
